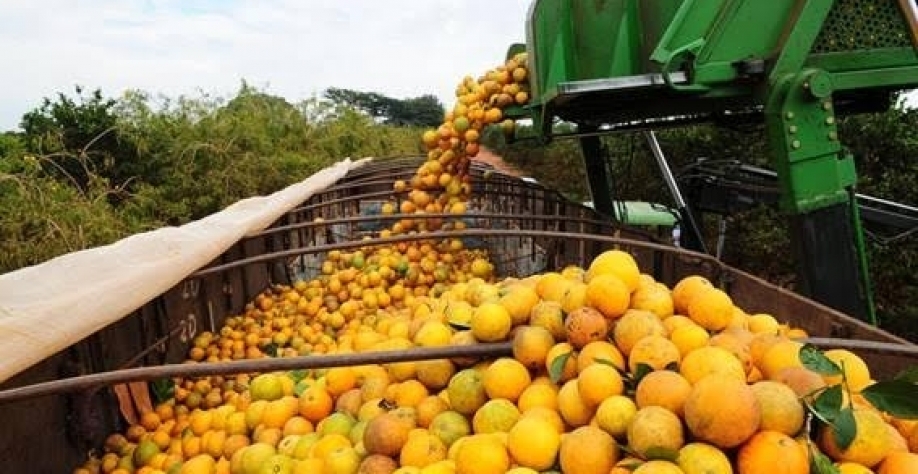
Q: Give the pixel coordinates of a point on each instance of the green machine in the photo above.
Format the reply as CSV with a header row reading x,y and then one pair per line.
x,y
794,65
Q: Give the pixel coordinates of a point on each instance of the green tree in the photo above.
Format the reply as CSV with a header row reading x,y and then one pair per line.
x,y
423,111
183,157
80,138
11,146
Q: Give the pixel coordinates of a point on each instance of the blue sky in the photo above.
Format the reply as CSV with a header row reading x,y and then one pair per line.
x,y
292,48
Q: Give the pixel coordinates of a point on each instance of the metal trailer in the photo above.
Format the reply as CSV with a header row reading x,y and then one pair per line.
x,y
526,227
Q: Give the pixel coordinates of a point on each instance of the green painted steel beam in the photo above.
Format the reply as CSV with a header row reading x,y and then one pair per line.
x,y
901,77
864,60
797,41
805,147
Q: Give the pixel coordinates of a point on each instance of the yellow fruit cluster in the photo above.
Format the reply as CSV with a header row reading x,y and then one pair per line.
x,y
611,372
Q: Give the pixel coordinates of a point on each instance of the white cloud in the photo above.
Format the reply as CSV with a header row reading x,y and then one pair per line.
x,y
294,48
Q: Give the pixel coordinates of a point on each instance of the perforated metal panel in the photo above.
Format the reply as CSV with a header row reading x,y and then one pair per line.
x,y
863,24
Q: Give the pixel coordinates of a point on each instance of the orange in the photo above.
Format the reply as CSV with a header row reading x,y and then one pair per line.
x,y
538,395
519,302
266,386
739,320
534,443
760,344
374,463
422,450
635,325
780,355
685,291
497,415
410,393
297,425
491,322
315,404
600,352
618,263
277,413
150,420
373,384
676,321
450,426
711,308
588,450
655,298
200,421
722,411
702,458
574,298
608,294
574,410
871,442
657,352
899,463
200,464
349,402
552,286
466,391
549,415
435,373
852,468
569,368
857,374
327,444
506,378
655,433
771,452
531,345
709,360
688,337
763,323
385,434
339,380
781,409
432,334
585,325
663,388
598,382
429,408
658,466
549,315
482,454
615,415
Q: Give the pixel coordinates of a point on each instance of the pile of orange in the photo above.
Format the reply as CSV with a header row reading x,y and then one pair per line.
x,y
611,372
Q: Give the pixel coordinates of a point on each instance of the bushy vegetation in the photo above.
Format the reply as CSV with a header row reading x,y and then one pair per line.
x,y
885,147
89,169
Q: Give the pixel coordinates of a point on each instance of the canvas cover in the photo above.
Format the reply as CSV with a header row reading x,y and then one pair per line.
x,y
48,307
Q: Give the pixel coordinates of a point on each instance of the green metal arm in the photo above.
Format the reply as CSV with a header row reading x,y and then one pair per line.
x,y
670,63
817,178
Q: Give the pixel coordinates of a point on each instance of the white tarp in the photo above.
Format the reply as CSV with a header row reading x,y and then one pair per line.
x,y
48,307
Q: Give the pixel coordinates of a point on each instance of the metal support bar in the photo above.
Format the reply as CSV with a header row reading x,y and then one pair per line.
x,y
691,234
816,178
599,178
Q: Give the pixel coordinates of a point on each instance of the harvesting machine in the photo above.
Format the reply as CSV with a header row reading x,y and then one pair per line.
x,y
793,65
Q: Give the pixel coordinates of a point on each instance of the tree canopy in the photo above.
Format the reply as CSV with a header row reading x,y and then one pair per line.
x,y
422,111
